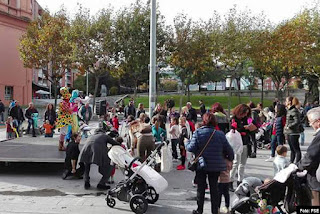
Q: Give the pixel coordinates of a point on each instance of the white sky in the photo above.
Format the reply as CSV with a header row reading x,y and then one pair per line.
x,y
275,10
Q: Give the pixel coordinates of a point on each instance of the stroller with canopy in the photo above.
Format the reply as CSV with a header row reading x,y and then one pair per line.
x,y
288,188
142,184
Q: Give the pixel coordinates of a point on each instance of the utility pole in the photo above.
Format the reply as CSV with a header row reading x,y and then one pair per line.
x,y
152,77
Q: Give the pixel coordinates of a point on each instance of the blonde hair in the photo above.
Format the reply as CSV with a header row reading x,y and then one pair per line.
x,y
295,101
185,109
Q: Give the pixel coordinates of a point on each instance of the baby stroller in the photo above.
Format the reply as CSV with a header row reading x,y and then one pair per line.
x,y
142,184
263,135
288,188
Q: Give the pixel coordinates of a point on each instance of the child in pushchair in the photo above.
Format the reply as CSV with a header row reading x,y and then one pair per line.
x,y
290,190
142,184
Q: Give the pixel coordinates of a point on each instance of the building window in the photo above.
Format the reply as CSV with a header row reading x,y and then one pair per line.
x,y
8,94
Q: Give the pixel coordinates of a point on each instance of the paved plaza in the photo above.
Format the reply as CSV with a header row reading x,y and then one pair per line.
x,y
38,188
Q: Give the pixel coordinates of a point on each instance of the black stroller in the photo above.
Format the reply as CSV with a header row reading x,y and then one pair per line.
x,y
294,192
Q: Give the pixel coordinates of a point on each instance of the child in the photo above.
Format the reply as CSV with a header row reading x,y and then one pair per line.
x,y
174,136
72,153
223,187
280,162
10,132
182,136
115,122
111,179
48,129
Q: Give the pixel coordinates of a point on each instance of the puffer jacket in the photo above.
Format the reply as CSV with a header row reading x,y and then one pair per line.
x,y
280,123
217,150
293,122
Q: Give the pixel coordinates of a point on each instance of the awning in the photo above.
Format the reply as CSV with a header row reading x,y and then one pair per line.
x,y
42,92
36,86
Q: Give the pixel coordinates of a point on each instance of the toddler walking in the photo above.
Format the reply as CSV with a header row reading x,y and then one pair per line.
x,y
223,187
9,126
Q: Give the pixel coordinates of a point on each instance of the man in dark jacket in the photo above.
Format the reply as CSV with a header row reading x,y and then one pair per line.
x,y
311,159
1,111
29,111
192,115
202,108
95,151
17,115
130,110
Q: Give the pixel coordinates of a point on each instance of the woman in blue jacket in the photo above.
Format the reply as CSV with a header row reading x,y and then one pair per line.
x,y
214,155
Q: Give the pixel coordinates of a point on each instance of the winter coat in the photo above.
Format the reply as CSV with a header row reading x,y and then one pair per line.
x,y
1,107
96,151
140,111
29,112
293,122
158,133
51,116
280,123
222,121
202,109
311,161
192,115
129,110
238,125
84,111
217,150
16,113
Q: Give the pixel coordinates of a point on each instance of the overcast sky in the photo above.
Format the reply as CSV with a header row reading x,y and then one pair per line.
x,y
275,10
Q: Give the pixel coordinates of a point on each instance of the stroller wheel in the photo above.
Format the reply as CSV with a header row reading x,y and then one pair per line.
x,y
138,204
110,202
151,195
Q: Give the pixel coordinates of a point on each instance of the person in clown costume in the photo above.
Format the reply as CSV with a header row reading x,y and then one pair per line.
x,y
75,102
64,116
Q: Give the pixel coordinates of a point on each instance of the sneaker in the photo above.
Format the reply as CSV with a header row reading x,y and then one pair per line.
x,y
224,210
270,159
87,185
102,187
194,184
181,167
196,212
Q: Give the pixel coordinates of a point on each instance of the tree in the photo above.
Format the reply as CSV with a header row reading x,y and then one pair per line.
x,y
93,44
46,44
132,36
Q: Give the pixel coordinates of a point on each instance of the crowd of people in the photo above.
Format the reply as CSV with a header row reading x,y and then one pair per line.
x,y
189,135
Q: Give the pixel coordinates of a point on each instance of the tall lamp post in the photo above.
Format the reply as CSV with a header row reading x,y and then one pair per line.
x,y
152,75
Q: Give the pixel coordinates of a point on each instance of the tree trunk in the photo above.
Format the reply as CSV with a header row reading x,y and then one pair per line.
x,y
95,92
55,94
199,84
229,98
188,88
262,89
239,89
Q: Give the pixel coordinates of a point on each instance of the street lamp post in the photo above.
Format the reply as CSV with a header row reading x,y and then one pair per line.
x,y
152,75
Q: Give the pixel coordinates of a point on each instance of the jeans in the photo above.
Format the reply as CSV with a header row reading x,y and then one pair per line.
x,y
302,138
239,163
276,141
213,182
31,123
105,171
174,143
223,189
295,155
17,125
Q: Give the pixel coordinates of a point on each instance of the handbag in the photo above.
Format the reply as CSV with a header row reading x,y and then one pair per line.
x,y
193,164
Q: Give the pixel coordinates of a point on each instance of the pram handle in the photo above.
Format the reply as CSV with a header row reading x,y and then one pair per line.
x,y
159,145
134,160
